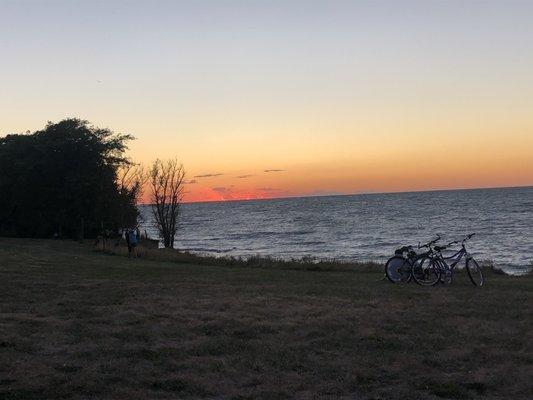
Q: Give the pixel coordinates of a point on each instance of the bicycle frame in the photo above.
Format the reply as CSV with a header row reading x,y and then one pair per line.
x,y
439,268
457,258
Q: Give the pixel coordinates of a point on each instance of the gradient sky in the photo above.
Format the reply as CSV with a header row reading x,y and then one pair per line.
x,y
328,96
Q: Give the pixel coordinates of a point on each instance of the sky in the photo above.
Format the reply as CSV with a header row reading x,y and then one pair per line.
x,y
264,99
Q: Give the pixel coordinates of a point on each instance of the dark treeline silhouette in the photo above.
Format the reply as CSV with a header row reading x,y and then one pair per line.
x,y
65,180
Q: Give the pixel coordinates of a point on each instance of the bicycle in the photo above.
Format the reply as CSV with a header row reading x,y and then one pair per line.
x,y
398,268
430,271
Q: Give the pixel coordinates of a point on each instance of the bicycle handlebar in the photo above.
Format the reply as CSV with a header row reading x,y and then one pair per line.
x,y
429,244
439,248
467,237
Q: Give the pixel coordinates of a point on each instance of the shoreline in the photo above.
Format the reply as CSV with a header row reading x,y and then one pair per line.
x,y
260,261
305,263
147,251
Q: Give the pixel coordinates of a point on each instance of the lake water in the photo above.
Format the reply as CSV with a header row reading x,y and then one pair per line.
x,y
365,227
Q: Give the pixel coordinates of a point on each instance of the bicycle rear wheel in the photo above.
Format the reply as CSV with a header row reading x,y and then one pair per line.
x,y
426,271
474,272
398,270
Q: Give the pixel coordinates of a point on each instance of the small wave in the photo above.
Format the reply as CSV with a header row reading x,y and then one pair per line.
x,y
258,234
206,250
309,242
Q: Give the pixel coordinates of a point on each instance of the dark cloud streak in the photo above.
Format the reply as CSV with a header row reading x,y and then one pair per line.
x,y
208,175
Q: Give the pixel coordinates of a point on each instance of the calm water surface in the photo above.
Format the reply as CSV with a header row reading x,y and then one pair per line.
x,y
362,227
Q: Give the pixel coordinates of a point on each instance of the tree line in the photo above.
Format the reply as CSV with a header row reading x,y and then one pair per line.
x,y
74,180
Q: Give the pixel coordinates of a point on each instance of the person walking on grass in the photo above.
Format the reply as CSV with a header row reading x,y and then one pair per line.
x,y
132,239
126,233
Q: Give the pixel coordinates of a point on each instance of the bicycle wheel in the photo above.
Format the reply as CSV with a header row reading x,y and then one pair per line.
x,y
398,270
474,272
426,271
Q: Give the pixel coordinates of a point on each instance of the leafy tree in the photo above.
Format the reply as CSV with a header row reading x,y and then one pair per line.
x,y
64,180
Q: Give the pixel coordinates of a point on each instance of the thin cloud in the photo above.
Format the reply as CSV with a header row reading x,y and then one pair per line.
x,y
268,189
274,170
244,176
208,175
191,182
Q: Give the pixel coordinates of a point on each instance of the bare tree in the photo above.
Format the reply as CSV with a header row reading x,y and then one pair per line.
x,y
167,180
131,179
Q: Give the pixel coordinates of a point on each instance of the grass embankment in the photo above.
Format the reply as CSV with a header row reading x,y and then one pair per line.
x,y
78,324
304,264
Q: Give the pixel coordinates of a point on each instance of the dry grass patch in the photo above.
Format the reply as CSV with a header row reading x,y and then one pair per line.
x,y
78,324
256,261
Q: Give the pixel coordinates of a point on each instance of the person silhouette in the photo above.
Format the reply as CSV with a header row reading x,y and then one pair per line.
x,y
132,240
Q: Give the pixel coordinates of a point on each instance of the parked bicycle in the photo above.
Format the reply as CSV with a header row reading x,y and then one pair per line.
x,y
436,268
398,268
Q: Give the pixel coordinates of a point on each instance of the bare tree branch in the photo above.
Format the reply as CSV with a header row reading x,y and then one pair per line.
x,y
131,178
167,180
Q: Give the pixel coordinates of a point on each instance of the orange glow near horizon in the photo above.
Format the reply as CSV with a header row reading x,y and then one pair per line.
x,y
422,169
456,149
346,97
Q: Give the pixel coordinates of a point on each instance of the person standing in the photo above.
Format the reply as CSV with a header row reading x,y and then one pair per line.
x,y
126,233
132,239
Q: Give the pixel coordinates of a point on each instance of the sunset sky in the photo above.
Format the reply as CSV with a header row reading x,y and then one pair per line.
x,y
267,99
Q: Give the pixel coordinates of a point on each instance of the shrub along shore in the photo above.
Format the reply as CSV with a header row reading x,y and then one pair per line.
x,y
78,323
148,251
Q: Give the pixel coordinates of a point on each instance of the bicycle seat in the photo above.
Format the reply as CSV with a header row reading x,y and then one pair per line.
x,y
402,250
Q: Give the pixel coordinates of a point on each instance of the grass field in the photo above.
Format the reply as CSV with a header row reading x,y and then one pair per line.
x,y
76,324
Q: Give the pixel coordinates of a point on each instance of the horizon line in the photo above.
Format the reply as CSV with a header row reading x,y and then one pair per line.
x,y
355,194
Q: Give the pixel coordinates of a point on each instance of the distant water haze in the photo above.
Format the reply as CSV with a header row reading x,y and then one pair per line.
x,y
362,227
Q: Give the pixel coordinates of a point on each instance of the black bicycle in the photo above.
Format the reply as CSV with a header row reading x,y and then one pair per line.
x,y
398,268
436,268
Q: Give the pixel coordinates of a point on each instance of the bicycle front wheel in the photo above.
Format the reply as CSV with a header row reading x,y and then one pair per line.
x,y
474,272
398,270
426,271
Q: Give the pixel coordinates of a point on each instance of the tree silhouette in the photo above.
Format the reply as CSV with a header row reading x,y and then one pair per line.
x,y
166,182
63,180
